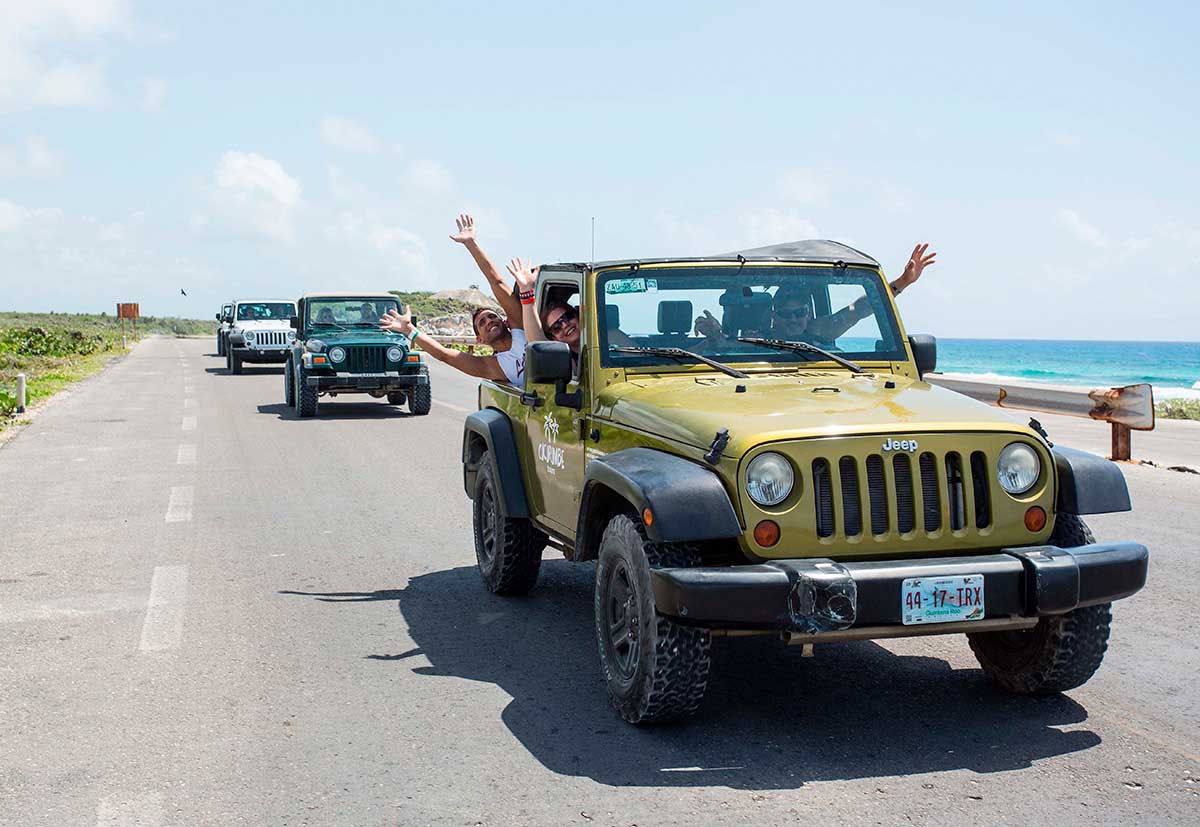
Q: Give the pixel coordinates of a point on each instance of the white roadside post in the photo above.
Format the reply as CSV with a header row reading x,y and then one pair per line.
x,y
20,393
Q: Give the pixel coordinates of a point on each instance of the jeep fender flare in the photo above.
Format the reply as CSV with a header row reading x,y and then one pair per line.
x,y
1088,484
490,429
687,501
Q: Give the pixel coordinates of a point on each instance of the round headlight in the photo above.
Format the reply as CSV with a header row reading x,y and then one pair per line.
x,y
337,354
248,336
1018,468
769,479
395,354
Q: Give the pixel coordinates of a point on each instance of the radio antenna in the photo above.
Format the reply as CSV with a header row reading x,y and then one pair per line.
x,y
593,259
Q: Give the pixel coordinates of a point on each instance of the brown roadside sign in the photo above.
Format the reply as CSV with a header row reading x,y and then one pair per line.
x,y
127,310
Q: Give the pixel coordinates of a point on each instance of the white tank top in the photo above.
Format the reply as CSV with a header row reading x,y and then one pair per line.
x,y
512,361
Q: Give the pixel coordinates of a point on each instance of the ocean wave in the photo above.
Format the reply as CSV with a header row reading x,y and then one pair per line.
x,y
1161,392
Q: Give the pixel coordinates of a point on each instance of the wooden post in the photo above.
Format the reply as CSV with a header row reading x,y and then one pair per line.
x,y
1120,442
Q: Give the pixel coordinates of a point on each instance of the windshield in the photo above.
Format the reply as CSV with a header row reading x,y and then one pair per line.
x,y
707,309
349,312
260,311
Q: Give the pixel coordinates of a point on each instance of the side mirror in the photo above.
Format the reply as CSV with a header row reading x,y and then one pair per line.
x,y
294,322
924,349
547,363
218,317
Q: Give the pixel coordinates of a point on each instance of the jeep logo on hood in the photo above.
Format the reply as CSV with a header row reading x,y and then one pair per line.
x,y
900,445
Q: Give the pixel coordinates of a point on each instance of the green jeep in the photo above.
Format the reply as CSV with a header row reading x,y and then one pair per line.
x,y
785,473
339,348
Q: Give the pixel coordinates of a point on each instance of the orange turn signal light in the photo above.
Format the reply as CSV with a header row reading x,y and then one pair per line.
x,y
766,533
647,516
412,357
1035,518
319,360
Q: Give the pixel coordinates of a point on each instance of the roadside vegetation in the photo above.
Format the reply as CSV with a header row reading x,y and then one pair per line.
x,y
426,306
55,349
1178,409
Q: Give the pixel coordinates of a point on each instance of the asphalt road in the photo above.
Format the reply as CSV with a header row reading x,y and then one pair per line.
x,y
212,612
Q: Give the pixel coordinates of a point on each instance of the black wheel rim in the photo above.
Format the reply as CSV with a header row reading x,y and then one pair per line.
x,y
622,642
487,525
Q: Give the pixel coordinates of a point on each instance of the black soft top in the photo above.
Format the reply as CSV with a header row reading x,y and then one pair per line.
x,y
815,250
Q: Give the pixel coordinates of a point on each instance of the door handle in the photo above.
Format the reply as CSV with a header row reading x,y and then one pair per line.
x,y
531,399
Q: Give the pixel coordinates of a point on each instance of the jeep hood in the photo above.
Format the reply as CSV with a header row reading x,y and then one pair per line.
x,y
691,409
262,324
333,336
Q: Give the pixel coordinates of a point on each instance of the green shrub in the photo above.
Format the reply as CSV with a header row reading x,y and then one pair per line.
x,y
1178,409
8,403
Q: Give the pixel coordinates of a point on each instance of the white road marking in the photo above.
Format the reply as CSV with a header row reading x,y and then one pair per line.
x,y
130,810
187,455
179,509
163,628
189,402
189,423
453,407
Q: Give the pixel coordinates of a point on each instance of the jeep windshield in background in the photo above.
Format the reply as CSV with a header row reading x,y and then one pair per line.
x,y
349,311
266,311
708,309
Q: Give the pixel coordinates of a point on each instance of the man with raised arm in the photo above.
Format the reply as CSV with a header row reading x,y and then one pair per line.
x,y
504,336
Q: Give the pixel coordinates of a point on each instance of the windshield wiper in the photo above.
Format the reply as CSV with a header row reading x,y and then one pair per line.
x,y
802,347
328,324
678,353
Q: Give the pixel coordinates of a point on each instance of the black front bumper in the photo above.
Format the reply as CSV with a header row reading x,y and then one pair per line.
x,y
247,354
348,382
823,595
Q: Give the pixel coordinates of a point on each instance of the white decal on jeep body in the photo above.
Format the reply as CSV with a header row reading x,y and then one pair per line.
x,y
550,454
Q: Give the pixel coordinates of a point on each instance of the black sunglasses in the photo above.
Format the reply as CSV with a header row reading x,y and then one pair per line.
x,y
793,312
567,315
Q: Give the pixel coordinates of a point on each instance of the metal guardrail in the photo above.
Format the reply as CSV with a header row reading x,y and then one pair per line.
x,y
1129,408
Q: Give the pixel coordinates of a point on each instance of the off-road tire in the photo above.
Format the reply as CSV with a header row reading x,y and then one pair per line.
x,y
220,345
306,396
1062,651
508,550
659,670
420,399
397,398
289,384
234,363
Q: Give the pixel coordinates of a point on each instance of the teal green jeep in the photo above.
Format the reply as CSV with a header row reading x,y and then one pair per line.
x,y
745,445
340,349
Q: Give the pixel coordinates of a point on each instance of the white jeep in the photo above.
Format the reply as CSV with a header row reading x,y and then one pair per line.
x,y
259,331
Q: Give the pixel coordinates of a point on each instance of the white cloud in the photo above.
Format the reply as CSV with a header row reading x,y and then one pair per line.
x,y
803,187
35,41
33,159
1066,140
257,194
429,176
154,94
1086,232
768,225
14,217
349,135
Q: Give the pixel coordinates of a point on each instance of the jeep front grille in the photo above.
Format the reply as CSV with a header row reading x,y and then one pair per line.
x,y
893,493
270,338
366,359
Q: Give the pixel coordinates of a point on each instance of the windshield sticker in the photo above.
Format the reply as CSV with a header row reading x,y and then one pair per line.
x,y
550,454
625,286
652,285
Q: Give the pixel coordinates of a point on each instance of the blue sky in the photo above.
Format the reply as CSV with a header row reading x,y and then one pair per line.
x,y
1050,155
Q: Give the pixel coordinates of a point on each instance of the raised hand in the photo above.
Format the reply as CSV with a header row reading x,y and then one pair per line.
x,y
524,273
466,229
708,326
400,322
917,262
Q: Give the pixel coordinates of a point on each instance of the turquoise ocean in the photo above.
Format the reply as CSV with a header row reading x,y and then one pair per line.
x,y
1173,368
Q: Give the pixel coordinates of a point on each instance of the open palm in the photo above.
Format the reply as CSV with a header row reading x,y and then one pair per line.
x,y
466,229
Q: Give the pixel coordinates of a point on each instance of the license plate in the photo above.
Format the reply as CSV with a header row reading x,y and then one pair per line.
x,y
941,599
